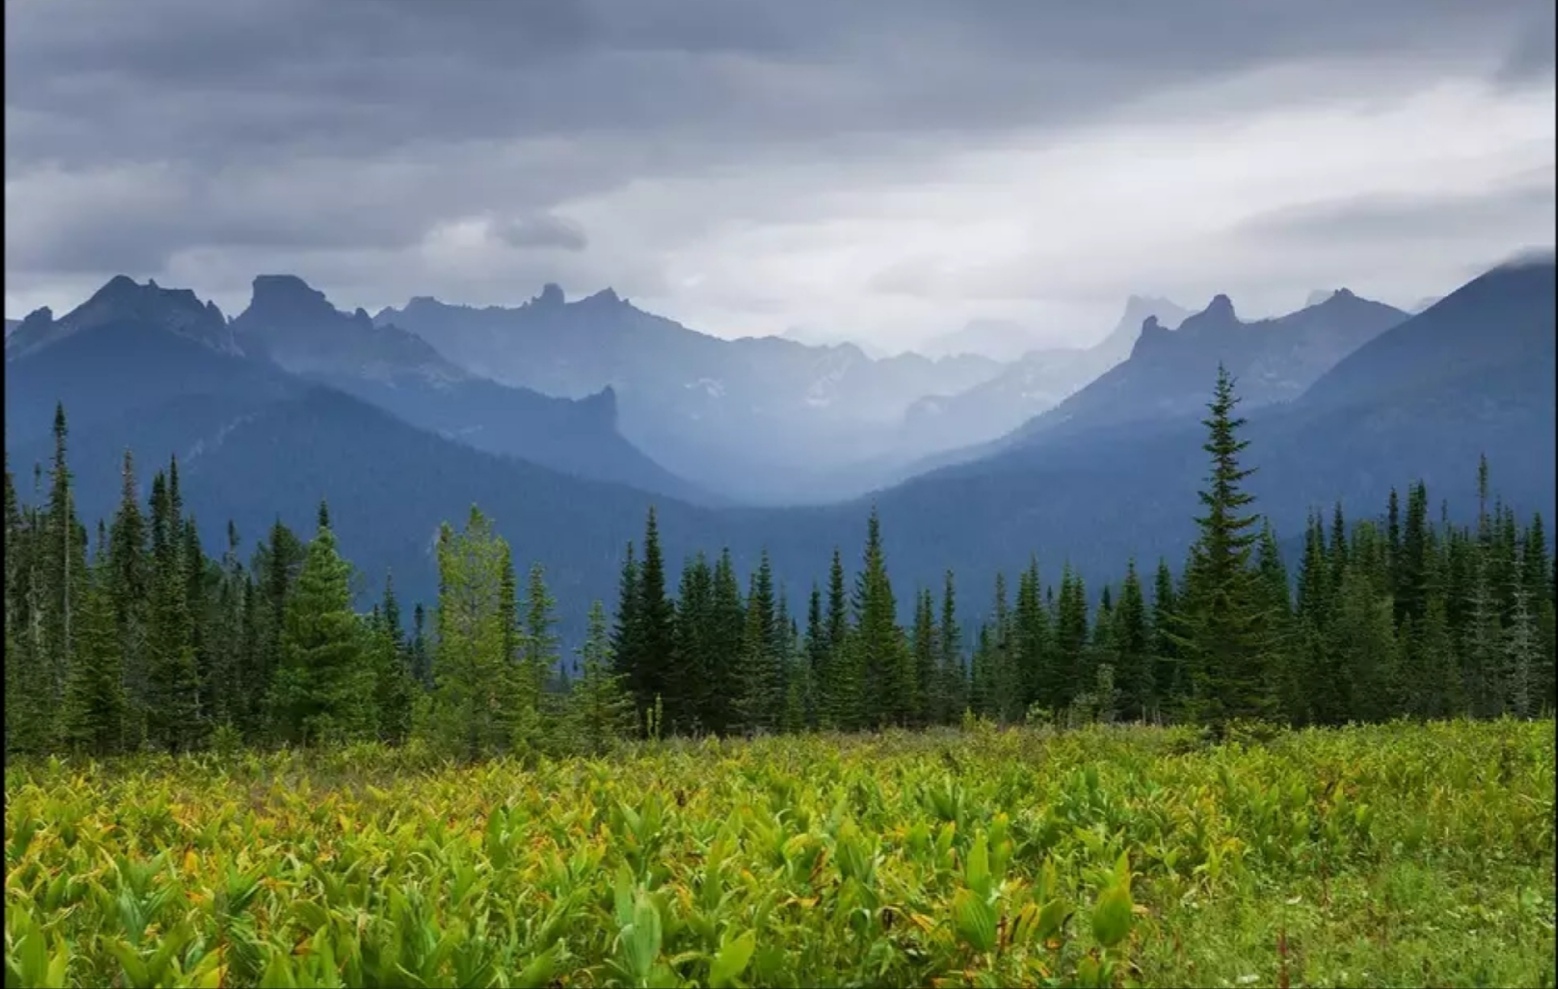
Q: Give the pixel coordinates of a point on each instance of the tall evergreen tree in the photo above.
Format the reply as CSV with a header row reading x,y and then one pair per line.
x,y
600,709
325,686
1222,636
94,704
474,697
1132,660
953,676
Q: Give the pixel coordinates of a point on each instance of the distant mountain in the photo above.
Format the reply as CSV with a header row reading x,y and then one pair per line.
x,y
1475,373
10,325
1167,373
1039,380
1424,399
294,325
761,419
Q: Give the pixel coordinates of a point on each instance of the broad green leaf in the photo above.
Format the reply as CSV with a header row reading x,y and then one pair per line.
x,y
732,960
1112,915
978,871
974,919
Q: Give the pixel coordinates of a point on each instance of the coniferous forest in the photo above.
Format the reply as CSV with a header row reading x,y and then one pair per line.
x,y
127,634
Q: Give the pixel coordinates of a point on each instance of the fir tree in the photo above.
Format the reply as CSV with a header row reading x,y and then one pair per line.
x,y
474,697
953,694
94,706
1222,635
656,619
326,684
1132,659
600,710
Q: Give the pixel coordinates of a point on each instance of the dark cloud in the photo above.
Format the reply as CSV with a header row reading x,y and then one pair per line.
x,y
542,231
467,146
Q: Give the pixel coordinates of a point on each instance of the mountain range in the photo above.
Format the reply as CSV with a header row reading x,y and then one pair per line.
x,y
290,327
759,419
1033,383
1086,485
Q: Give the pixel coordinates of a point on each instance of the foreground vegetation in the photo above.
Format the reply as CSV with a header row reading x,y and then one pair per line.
x,y
1384,855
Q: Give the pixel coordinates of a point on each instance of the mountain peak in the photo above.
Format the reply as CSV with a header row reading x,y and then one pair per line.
x,y
288,297
1220,305
121,300
1152,334
605,297
551,295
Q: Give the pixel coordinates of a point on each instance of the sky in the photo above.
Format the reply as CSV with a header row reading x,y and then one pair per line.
x,y
885,171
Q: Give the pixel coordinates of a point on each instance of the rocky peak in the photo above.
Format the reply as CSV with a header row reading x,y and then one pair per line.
x,y
604,298
1217,317
551,296
1153,335
289,298
121,301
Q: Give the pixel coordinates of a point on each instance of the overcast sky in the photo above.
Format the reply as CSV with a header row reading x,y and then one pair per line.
x,y
882,171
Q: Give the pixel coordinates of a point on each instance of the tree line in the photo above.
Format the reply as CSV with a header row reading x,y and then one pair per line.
x,y
144,641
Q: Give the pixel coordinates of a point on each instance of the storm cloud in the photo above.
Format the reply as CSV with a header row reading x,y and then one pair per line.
x,y
879,169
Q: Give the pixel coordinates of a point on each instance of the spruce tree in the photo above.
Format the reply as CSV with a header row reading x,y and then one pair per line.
x,y
326,684
1223,638
600,710
1167,672
474,697
761,698
818,654
172,677
1132,659
926,649
953,676
540,641
656,619
94,705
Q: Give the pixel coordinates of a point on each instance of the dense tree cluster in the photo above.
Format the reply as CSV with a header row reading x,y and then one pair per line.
x,y
148,642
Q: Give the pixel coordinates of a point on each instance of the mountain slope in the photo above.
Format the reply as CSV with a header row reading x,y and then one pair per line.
x,y
131,361
1167,372
1472,375
761,419
1037,381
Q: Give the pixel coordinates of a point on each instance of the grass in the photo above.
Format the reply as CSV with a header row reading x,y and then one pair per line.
x,y
1388,855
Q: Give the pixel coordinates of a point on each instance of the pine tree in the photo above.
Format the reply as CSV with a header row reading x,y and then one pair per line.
x,y
1167,678
627,634
725,648
325,686
473,696
844,689
540,642
421,657
926,649
1073,661
172,678
883,656
600,710
1220,610
762,697
1132,659
687,699
953,697
656,619
94,704
130,584
394,689
818,653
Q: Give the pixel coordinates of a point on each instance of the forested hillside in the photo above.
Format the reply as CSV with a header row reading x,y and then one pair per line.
x,y
128,633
